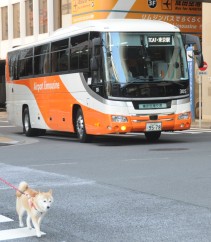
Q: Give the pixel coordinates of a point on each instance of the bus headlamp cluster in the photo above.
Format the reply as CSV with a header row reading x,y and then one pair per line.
x,y
119,119
183,116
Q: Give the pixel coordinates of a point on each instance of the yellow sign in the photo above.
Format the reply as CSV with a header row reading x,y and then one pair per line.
x,y
187,15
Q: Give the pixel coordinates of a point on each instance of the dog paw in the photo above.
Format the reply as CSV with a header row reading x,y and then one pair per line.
x,y
21,225
38,235
29,227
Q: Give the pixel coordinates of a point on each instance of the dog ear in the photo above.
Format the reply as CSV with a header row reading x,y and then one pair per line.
x,y
50,191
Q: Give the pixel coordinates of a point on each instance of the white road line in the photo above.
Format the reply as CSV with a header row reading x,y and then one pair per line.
x,y
55,164
6,126
17,233
4,219
146,159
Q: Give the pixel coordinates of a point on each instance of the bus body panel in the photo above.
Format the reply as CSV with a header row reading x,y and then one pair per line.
x,y
51,101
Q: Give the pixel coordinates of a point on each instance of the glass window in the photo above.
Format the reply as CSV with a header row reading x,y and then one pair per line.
x,y
79,52
41,60
62,10
4,20
43,16
66,7
59,55
13,65
29,17
25,62
57,14
16,20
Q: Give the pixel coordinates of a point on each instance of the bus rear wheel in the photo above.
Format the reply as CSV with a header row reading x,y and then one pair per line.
x,y
80,128
153,136
27,129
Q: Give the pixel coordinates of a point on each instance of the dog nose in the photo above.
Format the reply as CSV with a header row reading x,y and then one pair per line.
x,y
48,207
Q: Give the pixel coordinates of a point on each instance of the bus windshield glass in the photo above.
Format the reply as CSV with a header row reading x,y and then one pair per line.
x,y
143,57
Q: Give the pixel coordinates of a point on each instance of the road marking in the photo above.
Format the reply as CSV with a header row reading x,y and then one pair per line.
x,y
4,219
12,174
53,164
146,159
17,233
7,126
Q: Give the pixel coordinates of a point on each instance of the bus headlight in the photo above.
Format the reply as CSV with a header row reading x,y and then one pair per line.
x,y
119,119
183,116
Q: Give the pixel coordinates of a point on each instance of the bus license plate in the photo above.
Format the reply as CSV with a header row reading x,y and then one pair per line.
x,y
153,127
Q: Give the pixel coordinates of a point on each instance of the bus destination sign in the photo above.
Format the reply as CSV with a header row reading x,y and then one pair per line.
x,y
159,40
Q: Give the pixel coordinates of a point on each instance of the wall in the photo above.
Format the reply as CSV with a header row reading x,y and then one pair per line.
x,y
206,79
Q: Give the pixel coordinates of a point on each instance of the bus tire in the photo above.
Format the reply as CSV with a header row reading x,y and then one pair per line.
x,y
27,129
153,136
80,128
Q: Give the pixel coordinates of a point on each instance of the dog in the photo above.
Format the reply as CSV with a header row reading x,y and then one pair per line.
x,y
35,203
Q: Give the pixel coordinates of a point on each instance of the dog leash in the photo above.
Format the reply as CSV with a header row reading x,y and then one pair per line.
x,y
12,186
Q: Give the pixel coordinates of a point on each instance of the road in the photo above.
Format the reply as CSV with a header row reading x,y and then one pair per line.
x,y
118,188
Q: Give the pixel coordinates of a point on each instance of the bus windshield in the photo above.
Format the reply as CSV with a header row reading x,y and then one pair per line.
x,y
143,58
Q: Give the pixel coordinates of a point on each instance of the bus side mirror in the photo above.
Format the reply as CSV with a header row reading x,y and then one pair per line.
x,y
190,39
200,60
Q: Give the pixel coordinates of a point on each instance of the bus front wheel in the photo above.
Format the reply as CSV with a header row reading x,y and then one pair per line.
x,y
80,128
152,136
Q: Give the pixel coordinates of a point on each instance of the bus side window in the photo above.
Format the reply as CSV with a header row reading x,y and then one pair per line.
x,y
13,60
41,59
25,62
59,55
79,52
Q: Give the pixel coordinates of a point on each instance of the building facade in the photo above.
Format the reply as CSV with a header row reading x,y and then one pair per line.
x,y
26,21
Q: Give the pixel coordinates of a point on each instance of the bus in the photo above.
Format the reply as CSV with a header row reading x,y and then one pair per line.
x,y
102,77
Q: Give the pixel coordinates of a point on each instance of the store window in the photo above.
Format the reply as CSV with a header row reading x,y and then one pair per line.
x,y
62,11
16,20
66,7
29,17
57,14
43,17
4,21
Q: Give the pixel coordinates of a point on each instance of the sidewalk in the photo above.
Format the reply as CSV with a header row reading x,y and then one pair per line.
x,y
201,124
4,141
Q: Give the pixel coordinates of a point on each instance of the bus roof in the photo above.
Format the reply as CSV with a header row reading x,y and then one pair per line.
x,y
108,25
122,25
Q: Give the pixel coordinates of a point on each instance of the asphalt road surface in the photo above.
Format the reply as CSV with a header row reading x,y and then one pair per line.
x,y
118,188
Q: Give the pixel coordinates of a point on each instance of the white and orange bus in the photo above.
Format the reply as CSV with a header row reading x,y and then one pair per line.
x,y
102,77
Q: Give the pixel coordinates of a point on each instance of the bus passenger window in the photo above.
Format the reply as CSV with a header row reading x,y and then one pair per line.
x,y
79,52
13,65
25,63
59,55
41,59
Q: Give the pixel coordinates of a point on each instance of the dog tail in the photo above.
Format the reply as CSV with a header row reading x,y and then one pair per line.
x,y
23,186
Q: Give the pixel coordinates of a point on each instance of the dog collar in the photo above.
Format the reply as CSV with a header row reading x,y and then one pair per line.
x,y
31,204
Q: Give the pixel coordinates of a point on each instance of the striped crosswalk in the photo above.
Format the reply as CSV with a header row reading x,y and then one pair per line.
x,y
17,233
191,131
188,131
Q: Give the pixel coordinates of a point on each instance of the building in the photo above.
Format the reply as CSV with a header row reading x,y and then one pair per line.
x,y
25,21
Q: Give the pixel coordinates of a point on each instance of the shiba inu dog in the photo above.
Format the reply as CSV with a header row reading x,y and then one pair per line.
x,y
35,203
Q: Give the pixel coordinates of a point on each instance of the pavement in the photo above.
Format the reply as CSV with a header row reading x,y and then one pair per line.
x,y
4,140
